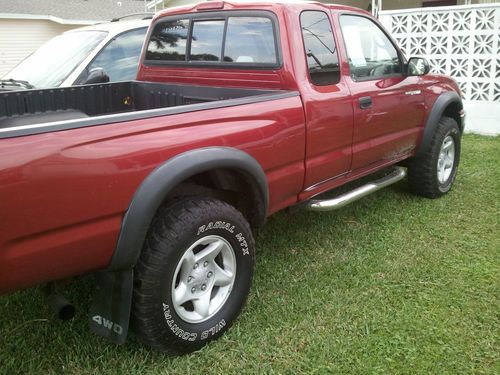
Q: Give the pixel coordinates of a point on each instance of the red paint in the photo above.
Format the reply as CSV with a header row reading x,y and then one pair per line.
x,y
391,126
63,195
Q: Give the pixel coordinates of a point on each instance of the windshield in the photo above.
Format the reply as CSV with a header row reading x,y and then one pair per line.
x,y
54,61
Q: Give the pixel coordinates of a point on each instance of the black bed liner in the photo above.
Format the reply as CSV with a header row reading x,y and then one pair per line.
x,y
39,111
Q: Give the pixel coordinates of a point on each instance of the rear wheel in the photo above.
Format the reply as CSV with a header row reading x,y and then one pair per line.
x,y
433,174
194,274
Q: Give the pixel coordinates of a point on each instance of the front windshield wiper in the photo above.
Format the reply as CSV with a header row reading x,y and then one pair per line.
x,y
15,82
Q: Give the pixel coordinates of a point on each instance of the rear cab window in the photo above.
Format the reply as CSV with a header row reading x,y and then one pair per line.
x,y
220,39
168,41
206,40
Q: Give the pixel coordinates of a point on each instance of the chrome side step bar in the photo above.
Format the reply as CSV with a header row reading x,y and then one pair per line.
x,y
343,200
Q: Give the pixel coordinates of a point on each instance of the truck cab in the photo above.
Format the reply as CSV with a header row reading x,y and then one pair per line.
x,y
363,110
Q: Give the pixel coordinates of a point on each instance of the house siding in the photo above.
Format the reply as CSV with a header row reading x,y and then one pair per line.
x,y
19,38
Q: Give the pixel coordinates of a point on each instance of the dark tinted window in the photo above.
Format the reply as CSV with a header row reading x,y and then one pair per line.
x,y
120,58
319,45
250,40
168,41
206,42
371,54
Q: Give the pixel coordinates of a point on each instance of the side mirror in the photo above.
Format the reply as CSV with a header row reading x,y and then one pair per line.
x,y
418,66
96,75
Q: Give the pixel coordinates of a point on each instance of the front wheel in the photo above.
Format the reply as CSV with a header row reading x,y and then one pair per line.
x,y
433,174
194,274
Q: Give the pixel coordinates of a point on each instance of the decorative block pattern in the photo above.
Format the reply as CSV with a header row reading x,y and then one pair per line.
x,y
496,92
463,42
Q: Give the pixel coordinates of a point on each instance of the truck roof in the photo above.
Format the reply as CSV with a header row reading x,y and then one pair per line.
x,y
262,4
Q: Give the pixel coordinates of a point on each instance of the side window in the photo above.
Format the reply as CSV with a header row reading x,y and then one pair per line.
x,y
320,50
120,58
371,54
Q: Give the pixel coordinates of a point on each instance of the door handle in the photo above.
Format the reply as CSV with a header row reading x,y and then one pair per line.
x,y
365,102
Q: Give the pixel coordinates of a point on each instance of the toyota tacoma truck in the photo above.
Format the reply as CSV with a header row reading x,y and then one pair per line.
x,y
239,110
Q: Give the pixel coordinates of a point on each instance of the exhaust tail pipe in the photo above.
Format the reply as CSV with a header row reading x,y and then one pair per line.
x,y
342,200
63,309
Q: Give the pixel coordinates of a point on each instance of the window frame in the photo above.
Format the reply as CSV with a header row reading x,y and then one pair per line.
x,y
335,43
214,16
401,57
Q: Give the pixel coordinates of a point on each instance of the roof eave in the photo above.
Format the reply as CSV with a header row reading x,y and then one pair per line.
x,y
19,16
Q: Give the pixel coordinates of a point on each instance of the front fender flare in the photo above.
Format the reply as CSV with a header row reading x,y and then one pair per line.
x,y
438,109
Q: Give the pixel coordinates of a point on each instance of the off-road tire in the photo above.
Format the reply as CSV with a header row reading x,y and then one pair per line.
x,y
423,170
175,229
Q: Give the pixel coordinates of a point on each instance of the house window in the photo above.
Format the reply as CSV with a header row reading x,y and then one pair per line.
x,y
438,3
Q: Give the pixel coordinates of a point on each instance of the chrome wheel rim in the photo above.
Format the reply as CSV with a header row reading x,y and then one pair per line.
x,y
446,159
203,279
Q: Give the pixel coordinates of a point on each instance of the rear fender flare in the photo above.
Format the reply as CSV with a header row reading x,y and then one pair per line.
x,y
111,307
153,190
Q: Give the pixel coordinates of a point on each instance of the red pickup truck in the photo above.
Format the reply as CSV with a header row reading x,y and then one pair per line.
x,y
239,110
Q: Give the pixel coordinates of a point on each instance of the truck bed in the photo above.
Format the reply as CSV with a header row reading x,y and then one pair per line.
x,y
39,111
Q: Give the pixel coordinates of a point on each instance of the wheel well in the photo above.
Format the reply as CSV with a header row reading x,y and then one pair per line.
x,y
229,185
453,110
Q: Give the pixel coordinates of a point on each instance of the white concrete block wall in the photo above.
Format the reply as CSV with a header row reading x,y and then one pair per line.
x,y
462,42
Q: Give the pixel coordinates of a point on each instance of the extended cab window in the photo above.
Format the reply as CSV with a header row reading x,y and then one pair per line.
x,y
320,50
234,40
371,54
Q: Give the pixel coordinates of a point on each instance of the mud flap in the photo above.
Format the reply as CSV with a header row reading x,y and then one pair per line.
x,y
110,311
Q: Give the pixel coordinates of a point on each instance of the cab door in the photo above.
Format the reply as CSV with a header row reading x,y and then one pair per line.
x,y
388,105
327,103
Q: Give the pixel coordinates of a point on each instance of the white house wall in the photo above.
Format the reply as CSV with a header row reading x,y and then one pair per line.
x,y
19,38
407,4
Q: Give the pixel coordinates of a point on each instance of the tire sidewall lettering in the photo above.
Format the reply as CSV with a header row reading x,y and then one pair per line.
x,y
191,336
234,233
220,224
176,330
228,227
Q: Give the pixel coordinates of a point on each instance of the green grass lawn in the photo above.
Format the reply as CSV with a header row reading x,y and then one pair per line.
x,y
393,284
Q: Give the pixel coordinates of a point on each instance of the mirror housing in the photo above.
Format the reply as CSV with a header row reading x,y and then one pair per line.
x,y
417,66
96,75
